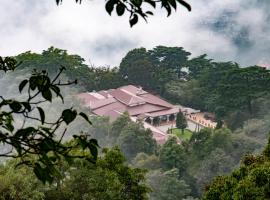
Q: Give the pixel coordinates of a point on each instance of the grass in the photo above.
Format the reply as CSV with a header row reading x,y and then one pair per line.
x,y
178,132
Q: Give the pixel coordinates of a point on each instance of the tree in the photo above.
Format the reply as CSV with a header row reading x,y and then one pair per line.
x,y
154,68
167,186
110,178
51,59
118,125
40,139
103,78
250,181
169,57
181,121
241,86
135,8
20,184
197,65
217,163
134,139
137,68
188,93
144,161
172,155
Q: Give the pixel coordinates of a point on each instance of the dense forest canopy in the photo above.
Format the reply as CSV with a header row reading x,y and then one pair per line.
x,y
237,95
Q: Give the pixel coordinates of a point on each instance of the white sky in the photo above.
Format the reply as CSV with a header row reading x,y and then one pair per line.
x,y
87,30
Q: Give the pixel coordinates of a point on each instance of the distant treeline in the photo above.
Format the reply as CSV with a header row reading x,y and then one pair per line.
x,y
234,93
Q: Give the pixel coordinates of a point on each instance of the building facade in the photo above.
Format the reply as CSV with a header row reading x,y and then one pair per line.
x,y
155,113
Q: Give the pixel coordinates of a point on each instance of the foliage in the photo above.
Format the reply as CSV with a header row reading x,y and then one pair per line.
x,y
196,66
181,121
90,78
118,125
225,88
135,8
40,140
154,68
7,64
240,87
109,178
215,164
20,184
144,161
250,181
166,185
188,93
134,139
172,155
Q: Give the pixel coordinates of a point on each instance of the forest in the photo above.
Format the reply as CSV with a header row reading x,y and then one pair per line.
x,y
229,162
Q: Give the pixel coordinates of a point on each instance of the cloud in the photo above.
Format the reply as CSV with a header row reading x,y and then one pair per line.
x,y
225,30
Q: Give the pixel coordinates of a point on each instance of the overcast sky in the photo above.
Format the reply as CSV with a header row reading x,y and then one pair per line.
x,y
236,30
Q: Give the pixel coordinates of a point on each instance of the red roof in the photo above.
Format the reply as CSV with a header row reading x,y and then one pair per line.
x,y
152,99
137,102
128,98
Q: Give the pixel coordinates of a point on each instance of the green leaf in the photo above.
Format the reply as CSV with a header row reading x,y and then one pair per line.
x,y
58,2
17,146
69,115
166,5
15,106
95,142
173,3
120,9
42,114
47,94
137,3
24,133
185,4
39,172
27,106
22,85
133,20
56,90
47,145
149,13
151,2
33,82
83,115
93,150
83,143
47,130
109,6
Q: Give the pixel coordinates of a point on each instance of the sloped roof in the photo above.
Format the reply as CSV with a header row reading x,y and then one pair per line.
x,y
152,99
145,108
113,106
133,89
113,114
164,112
101,103
86,97
127,98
